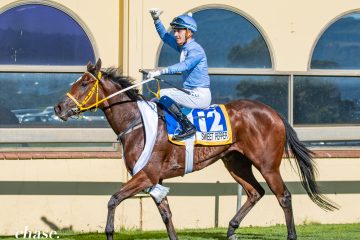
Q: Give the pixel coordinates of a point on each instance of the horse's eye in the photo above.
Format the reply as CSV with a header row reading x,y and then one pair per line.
x,y
83,84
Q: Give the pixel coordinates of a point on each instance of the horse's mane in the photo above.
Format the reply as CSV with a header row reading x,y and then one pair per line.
x,y
115,76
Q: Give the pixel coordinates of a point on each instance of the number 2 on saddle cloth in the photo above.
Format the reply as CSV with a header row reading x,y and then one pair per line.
x,y
212,125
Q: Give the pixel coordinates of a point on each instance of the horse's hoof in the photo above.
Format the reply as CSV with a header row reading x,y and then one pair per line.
x,y
292,237
233,237
109,236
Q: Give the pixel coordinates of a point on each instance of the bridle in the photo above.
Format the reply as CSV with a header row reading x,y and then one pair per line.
x,y
95,89
81,107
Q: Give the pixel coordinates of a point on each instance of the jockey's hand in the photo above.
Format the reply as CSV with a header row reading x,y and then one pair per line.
x,y
153,73
155,13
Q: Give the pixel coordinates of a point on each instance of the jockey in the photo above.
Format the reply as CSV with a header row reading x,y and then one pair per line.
x,y
193,67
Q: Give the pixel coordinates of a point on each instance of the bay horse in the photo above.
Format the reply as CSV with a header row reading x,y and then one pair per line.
x,y
260,139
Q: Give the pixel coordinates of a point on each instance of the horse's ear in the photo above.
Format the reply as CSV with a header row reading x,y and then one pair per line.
x,y
98,65
89,66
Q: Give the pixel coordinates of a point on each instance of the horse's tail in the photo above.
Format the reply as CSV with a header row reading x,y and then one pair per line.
x,y
306,167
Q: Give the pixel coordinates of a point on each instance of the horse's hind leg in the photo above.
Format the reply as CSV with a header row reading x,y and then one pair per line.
x,y
277,186
166,216
136,184
269,166
240,169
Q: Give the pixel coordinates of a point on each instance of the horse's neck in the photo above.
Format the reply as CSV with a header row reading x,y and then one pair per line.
x,y
120,117
121,113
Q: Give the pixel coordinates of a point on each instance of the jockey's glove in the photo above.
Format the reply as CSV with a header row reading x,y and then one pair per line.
x,y
153,73
155,13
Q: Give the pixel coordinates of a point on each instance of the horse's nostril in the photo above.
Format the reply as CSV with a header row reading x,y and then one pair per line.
x,y
57,108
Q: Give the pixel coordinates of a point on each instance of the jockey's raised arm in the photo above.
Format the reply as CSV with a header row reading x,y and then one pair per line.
x,y
192,66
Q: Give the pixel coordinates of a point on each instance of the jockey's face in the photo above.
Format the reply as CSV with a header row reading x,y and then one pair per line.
x,y
182,35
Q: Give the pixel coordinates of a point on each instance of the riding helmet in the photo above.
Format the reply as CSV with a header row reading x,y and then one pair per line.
x,y
184,21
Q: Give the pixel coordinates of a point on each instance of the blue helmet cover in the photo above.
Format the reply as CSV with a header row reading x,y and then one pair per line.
x,y
184,21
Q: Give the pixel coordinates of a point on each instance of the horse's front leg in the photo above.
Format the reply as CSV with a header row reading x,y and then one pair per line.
x,y
135,185
166,216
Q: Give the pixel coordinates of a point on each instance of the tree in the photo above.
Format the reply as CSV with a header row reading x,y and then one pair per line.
x,y
272,91
253,54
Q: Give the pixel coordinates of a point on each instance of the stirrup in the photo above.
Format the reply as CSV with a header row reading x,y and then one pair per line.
x,y
185,134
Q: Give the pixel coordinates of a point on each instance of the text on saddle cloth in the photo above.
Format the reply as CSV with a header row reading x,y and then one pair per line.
x,y
212,125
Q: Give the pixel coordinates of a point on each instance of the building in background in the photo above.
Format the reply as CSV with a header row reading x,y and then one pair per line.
x,y
302,59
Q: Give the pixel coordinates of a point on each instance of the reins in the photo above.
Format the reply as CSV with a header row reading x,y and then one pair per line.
x,y
95,89
81,107
157,94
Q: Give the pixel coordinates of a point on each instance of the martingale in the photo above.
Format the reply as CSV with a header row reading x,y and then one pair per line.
x,y
212,126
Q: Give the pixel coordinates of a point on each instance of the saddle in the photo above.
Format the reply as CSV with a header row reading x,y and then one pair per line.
x,y
212,126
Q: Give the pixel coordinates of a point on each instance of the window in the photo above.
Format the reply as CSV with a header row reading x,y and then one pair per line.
x,y
35,34
339,45
46,39
326,101
332,97
44,48
226,46
27,100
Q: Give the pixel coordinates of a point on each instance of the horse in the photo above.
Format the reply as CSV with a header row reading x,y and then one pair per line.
x,y
261,137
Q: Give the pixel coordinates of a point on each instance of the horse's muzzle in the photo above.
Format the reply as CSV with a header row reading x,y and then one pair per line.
x,y
58,112
64,111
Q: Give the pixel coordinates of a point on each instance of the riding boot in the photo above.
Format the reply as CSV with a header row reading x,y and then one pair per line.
x,y
188,129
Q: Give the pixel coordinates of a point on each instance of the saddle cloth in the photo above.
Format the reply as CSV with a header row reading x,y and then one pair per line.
x,y
212,125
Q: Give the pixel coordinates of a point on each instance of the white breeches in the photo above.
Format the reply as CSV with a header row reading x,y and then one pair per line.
x,y
198,97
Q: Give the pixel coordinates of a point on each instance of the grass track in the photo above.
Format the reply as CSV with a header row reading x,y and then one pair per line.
x,y
305,232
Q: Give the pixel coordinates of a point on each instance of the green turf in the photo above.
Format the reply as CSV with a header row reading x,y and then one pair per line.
x,y
305,232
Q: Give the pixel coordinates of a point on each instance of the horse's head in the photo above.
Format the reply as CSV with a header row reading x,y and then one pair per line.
x,y
92,91
84,93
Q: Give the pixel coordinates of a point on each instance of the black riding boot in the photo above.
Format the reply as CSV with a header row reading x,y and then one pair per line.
x,y
188,129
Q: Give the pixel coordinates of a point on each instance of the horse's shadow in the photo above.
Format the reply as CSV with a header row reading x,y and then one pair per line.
x,y
53,226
